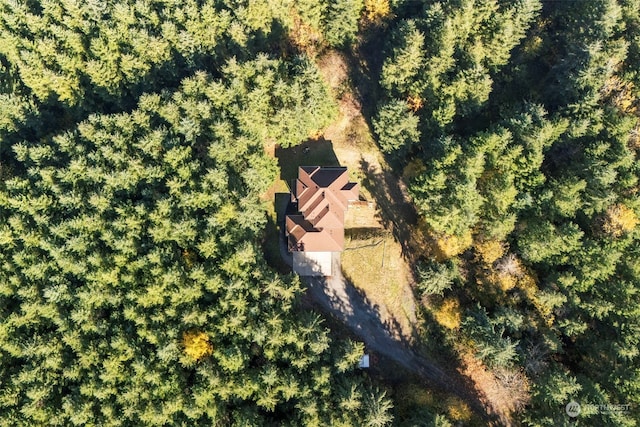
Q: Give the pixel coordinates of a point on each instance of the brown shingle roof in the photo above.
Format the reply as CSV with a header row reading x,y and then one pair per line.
x,y
322,194
351,191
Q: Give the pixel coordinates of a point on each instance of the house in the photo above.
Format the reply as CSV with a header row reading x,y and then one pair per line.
x,y
321,195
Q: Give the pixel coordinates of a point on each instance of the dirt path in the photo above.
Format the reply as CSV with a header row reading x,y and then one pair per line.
x,y
354,147
340,299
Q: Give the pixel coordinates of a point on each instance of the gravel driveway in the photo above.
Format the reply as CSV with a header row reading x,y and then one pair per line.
x,y
339,298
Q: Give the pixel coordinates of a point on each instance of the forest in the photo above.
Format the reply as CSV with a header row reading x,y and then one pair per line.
x,y
134,284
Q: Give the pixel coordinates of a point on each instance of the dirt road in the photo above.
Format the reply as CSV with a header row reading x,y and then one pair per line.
x,y
345,303
340,299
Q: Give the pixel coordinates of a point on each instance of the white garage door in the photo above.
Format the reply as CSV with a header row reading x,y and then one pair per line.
x,y
312,263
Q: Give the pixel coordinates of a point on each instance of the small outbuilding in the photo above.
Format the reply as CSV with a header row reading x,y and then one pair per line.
x,y
364,362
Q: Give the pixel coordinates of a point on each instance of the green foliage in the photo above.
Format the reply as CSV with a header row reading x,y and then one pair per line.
x,y
341,22
488,337
566,196
550,178
378,407
446,56
546,242
400,73
132,289
448,200
436,278
552,391
73,50
129,220
279,107
76,58
396,127
317,24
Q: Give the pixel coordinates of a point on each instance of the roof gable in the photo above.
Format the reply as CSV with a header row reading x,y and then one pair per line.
x,y
322,194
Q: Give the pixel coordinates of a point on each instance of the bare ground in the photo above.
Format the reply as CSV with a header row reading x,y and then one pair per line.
x,y
379,328
350,140
354,147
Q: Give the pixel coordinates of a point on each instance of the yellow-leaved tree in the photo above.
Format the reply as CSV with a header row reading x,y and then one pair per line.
x,y
449,314
376,10
196,344
489,251
619,220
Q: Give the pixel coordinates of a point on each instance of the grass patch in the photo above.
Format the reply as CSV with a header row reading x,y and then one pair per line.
x,y
372,261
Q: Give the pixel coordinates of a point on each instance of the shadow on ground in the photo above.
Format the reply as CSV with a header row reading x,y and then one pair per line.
x,y
338,297
396,212
310,153
271,239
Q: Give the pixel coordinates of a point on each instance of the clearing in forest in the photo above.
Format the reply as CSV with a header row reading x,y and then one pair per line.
x,y
373,260
348,142
380,246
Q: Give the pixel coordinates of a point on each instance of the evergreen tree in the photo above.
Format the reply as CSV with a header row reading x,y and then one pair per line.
x,y
133,290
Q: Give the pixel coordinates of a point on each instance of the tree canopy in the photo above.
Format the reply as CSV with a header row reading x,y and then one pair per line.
x,y
132,289
522,165
133,169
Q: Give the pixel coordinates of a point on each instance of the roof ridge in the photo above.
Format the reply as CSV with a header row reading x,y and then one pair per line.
x,y
317,168
333,239
319,223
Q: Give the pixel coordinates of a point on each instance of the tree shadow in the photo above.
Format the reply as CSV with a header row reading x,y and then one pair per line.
x,y
270,249
310,153
365,67
363,233
271,239
395,212
52,116
340,300
337,297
